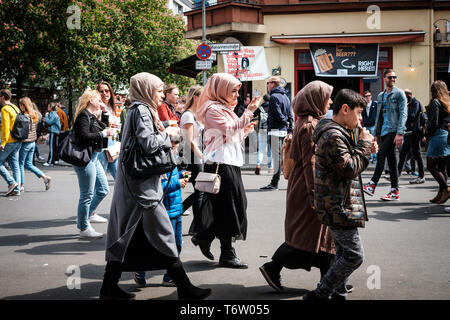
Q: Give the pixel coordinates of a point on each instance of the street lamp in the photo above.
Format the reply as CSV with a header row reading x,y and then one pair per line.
x,y
437,31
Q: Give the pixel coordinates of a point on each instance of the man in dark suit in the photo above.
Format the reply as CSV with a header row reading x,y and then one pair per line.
x,y
369,116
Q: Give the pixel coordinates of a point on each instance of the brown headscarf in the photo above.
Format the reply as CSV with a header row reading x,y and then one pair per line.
x,y
310,101
216,90
142,88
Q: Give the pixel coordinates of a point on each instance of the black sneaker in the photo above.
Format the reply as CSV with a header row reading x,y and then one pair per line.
x,y
269,187
272,278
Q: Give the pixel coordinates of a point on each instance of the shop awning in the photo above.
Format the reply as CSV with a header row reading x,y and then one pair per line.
x,y
374,37
186,67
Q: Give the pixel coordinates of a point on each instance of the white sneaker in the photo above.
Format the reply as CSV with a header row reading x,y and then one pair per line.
x,y
97,219
90,233
56,163
47,164
41,158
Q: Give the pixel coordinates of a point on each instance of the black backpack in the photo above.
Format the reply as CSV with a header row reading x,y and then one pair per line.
x,y
21,126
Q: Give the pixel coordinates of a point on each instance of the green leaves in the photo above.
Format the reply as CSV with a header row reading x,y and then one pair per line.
x,y
116,40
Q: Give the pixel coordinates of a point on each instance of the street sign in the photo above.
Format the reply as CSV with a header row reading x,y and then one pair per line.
x,y
203,51
203,64
225,47
213,57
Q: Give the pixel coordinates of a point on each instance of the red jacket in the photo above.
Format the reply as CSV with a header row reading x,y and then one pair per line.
x,y
166,114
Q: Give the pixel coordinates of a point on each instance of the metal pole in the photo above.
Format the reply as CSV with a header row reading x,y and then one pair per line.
x,y
204,33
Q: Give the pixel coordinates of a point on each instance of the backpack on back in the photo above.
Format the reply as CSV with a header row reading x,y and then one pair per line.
x,y
21,126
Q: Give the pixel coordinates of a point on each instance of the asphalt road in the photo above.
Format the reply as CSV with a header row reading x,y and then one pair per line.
x,y
41,257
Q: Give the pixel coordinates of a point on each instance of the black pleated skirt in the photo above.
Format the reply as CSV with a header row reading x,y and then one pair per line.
x,y
224,214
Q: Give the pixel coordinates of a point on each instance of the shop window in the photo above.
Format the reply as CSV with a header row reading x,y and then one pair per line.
x,y
441,67
304,58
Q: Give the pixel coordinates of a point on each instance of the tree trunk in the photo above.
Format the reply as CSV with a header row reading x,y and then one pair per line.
x,y
69,94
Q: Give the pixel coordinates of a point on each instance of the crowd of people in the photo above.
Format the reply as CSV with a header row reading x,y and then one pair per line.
x,y
333,142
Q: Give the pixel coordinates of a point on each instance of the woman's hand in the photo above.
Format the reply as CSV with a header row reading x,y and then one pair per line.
x,y
172,131
249,128
183,182
254,104
108,132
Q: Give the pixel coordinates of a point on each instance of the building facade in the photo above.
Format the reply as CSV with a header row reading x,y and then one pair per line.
x,y
413,38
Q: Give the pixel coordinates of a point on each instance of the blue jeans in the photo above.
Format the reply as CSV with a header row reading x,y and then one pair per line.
x,y
177,229
52,145
26,155
11,152
263,141
93,187
108,166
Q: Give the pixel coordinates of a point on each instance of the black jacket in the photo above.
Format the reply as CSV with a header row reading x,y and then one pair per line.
x,y
437,117
88,130
280,113
413,120
369,121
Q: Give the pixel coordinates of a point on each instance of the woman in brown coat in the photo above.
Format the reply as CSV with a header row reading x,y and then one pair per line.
x,y
308,243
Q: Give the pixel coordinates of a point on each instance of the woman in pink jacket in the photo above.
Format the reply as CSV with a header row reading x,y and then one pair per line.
x,y
224,133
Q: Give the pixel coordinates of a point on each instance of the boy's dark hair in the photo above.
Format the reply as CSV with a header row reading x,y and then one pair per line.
x,y
351,98
266,97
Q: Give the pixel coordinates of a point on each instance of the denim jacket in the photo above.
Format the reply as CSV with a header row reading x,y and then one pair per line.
x,y
53,122
397,112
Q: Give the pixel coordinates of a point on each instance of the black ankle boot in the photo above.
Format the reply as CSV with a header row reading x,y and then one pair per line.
x,y
205,247
186,290
110,289
228,259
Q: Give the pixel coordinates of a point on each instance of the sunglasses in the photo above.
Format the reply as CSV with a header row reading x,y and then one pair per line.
x,y
392,77
103,91
269,82
368,95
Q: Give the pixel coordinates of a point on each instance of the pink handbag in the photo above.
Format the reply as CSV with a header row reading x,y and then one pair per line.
x,y
208,182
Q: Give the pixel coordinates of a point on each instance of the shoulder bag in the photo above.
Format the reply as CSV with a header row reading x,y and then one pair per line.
x,y
72,151
288,163
139,164
208,182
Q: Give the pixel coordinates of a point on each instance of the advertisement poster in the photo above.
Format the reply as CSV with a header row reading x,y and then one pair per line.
x,y
248,64
344,60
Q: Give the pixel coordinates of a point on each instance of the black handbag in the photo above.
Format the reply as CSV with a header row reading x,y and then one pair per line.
x,y
139,164
72,151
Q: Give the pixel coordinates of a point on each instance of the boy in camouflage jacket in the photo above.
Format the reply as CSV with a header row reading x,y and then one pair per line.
x,y
338,195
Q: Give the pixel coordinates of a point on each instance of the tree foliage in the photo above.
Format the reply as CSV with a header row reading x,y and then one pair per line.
x,y
116,39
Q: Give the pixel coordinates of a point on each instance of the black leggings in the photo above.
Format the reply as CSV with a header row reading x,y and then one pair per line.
x,y
437,167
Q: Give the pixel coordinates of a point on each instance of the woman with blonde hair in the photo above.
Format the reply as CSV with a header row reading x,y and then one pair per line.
x,y
140,235
91,130
438,112
26,153
224,133
191,131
